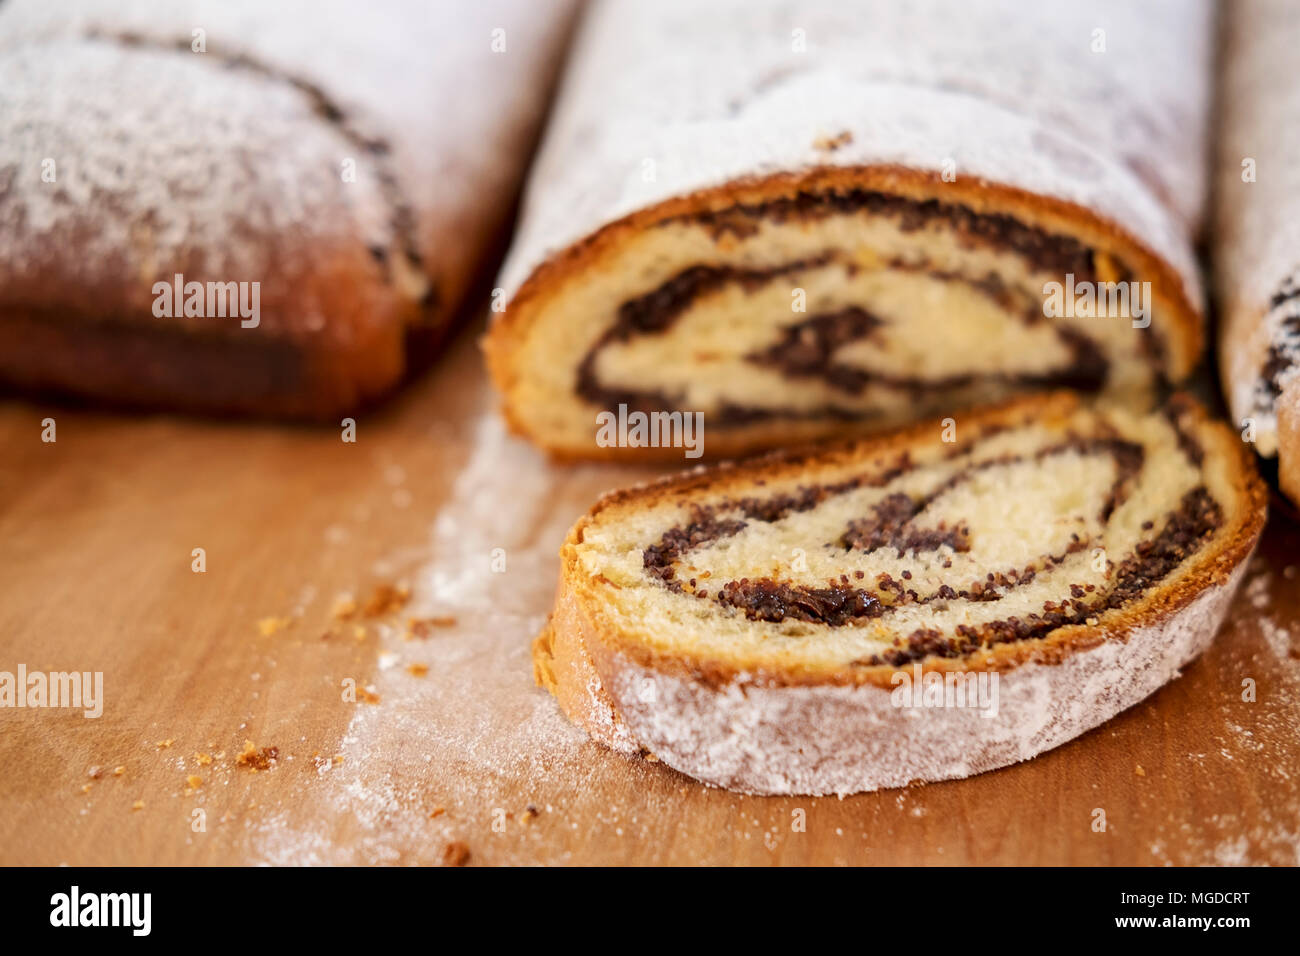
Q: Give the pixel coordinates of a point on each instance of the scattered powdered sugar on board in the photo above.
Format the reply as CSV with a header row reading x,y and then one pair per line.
x,y
1258,592
463,752
1262,648
1277,636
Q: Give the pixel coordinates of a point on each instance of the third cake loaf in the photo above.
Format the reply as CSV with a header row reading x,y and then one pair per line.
x,y
1257,234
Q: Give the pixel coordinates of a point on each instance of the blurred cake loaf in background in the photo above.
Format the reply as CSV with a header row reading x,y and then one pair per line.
x,y
258,208
800,219
1257,230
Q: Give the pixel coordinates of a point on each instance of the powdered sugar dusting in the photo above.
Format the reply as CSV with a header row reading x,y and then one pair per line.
x,y
153,172
663,99
1260,707
394,74
844,740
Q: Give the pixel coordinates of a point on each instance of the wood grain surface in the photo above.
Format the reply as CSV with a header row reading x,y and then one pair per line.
x,y
449,753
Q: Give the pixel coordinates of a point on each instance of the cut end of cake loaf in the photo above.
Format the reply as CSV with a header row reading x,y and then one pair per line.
x,y
751,626
1259,362
798,306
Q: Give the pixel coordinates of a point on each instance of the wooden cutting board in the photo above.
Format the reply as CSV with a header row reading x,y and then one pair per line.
x,y
446,751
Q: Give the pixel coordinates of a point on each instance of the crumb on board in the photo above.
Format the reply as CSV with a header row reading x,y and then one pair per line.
x,y
138,805
530,813
203,759
437,812
85,788
367,696
455,853
194,781
385,599
1139,771
257,759
164,744
417,670
118,771
423,627
95,772
270,625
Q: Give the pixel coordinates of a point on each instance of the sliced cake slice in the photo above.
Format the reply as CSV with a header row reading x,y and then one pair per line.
x,y
925,605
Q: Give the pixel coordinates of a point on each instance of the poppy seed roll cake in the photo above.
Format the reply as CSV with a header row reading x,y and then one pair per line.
x,y
750,625
815,218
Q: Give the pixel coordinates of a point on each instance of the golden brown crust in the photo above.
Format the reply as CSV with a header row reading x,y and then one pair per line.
x,y
1183,332
170,369
1288,440
601,639
562,665
279,370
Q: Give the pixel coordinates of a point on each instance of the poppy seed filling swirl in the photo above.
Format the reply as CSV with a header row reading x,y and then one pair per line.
x,y
923,545
857,343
